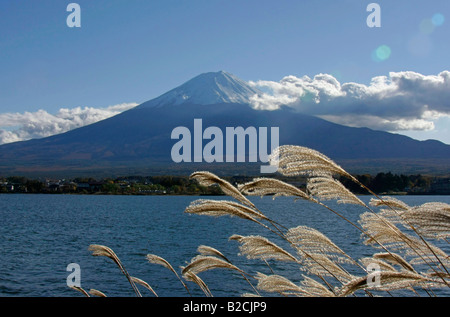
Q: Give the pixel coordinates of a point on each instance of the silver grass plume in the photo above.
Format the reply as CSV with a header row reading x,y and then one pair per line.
x,y
207,250
144,283
395,258
328,188
314,242
441,275
202,263
428,221
388,281
432,220
97,293
258,247
321,265
298,160
207,179
156,259
390,202
313,288
278,284
190,276
378,262
217,208
271,186
383,265
387,234
395,207
80,289
101,250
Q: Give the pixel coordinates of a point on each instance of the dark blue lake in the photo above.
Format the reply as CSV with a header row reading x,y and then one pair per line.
x,y
40,235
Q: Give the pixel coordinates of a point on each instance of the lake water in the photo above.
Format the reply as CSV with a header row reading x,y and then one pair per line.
x,y
40,235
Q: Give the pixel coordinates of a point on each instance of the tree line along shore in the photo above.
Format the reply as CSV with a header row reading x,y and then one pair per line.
x,y
381,183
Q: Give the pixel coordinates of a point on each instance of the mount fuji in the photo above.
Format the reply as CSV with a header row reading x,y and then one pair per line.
x,y
138,141
207,89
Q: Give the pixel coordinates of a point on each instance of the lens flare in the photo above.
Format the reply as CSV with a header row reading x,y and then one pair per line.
x,y
426,26
438,19
382,53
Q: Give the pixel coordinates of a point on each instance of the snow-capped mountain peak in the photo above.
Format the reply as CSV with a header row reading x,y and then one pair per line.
x,y
207,89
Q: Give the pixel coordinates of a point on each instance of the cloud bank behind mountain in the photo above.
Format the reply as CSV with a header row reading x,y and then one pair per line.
x,y
33,125
398,102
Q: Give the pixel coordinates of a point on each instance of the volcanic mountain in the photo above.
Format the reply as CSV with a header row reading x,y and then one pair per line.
x,y
138,141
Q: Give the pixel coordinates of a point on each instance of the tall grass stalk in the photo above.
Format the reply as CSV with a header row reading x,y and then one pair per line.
x,y
327,269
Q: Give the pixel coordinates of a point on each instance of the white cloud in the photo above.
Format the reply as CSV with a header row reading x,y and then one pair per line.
x,y
31,125
398,102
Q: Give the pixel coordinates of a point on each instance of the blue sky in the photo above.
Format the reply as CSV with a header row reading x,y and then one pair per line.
x,y
130,51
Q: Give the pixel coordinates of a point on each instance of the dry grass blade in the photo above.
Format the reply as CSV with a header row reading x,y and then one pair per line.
x,y
155,259
143,283
388,201
313,288
97,293
314,242
217,208
395,258
386,233
321,265
392,213
191,276
433,229
384,266
101,250
278,284
206,250
388,281
432,220
81,290
271,186
441,275
258,247
208,179
202,263
316,263
298,160
327,188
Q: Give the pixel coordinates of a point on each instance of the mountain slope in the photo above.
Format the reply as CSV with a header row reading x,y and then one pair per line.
x,y
139,140
207,89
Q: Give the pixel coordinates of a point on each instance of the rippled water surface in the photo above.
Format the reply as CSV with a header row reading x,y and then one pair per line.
x,y
41,235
